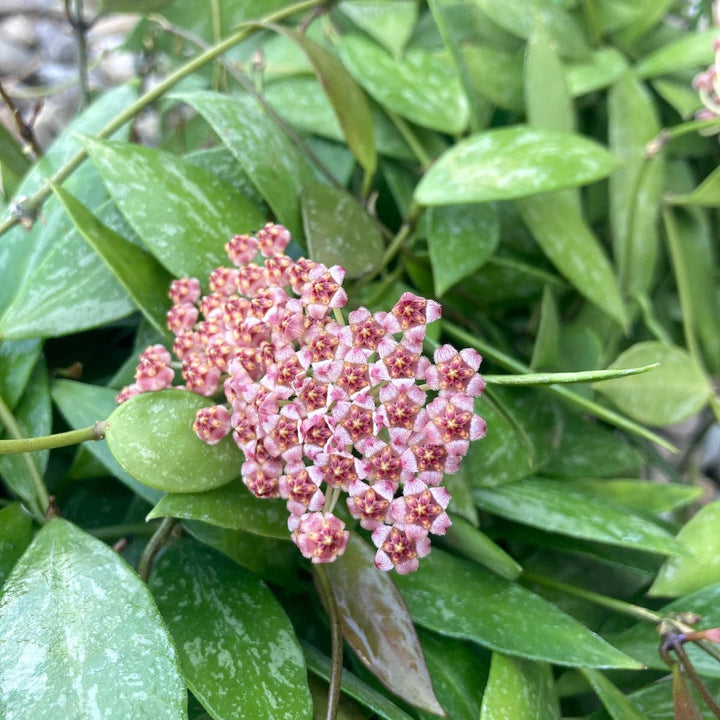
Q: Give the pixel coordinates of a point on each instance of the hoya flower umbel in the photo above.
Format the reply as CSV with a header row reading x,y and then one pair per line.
x,y
321,408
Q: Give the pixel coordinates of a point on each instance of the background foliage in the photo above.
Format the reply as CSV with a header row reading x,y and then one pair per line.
x,y
535,167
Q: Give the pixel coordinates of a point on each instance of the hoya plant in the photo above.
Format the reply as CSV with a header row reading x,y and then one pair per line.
x,y
379,381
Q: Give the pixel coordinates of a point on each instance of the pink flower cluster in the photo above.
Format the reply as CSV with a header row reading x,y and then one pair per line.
x,y
320,407
708,86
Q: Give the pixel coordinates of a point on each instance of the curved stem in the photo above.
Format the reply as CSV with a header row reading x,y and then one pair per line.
x,y
112,532
49,442
409,136
33,204
566,377
325,588
155,544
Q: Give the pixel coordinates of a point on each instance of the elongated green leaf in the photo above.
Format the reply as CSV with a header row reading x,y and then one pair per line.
x,y
460,239
15,535
12,158
563,235
601,69
706,194
422,87
339,231
142,276
83,405
683,575
656,700
390,23
459,599
644,495
560,506
512,162
546,349
151,436
237,648
519,689
684,98
690,51
636,188
641,641
82,637
231,506
378,627
496,75
348,100
672,392
183,214
458,671
17,360
618,705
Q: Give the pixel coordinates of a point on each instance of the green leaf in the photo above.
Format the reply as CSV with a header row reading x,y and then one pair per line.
x,y
348,100
237,648
690,51
459,599
601,69
557,225
646,495
618,705
656,700
151,436
128,6
339,231
641,641
422,87
496,75
460,239
546,349
231,506
706,194
672,392
635,189
512,162
560,506
16,530
152,190
683,575
519,689
12,158
82,637
458,671
142,276
17,360
83,405
377,626
684,98
390,23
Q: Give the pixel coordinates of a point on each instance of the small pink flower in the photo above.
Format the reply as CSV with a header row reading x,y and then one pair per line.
x,y
273,239
127,392
323,290
184,290
422,506
181,317
153,371
321,537
370,504
399,549
224,281
242,249
456,371
212,424
412,310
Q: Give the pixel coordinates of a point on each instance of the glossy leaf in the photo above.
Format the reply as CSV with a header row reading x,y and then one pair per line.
x,y
17,360
615,701
151,436
16,530
668,394
422,87
646,495
186,237
377,626
460,239
559,506
512,162
390,23
706,194
656,700
142,276
690,51
231,506
635,189
557,225
683,575
339,230
457,598
496,75
519,689
81,634
83,405
601,69
237,648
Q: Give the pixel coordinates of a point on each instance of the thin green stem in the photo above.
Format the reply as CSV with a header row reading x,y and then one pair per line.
x,y
589,406
409,136
326,591
650,320
49,442
566,377
42,498
112,532
155,544
33,204
380,289
592,21
74,13
620,606
216,21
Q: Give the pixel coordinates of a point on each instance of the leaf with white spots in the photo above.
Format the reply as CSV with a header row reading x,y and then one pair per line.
x,y
238,650
82,638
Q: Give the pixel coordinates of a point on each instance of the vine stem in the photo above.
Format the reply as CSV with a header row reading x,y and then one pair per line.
x,y
325,588
58,440
155,544
32,205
